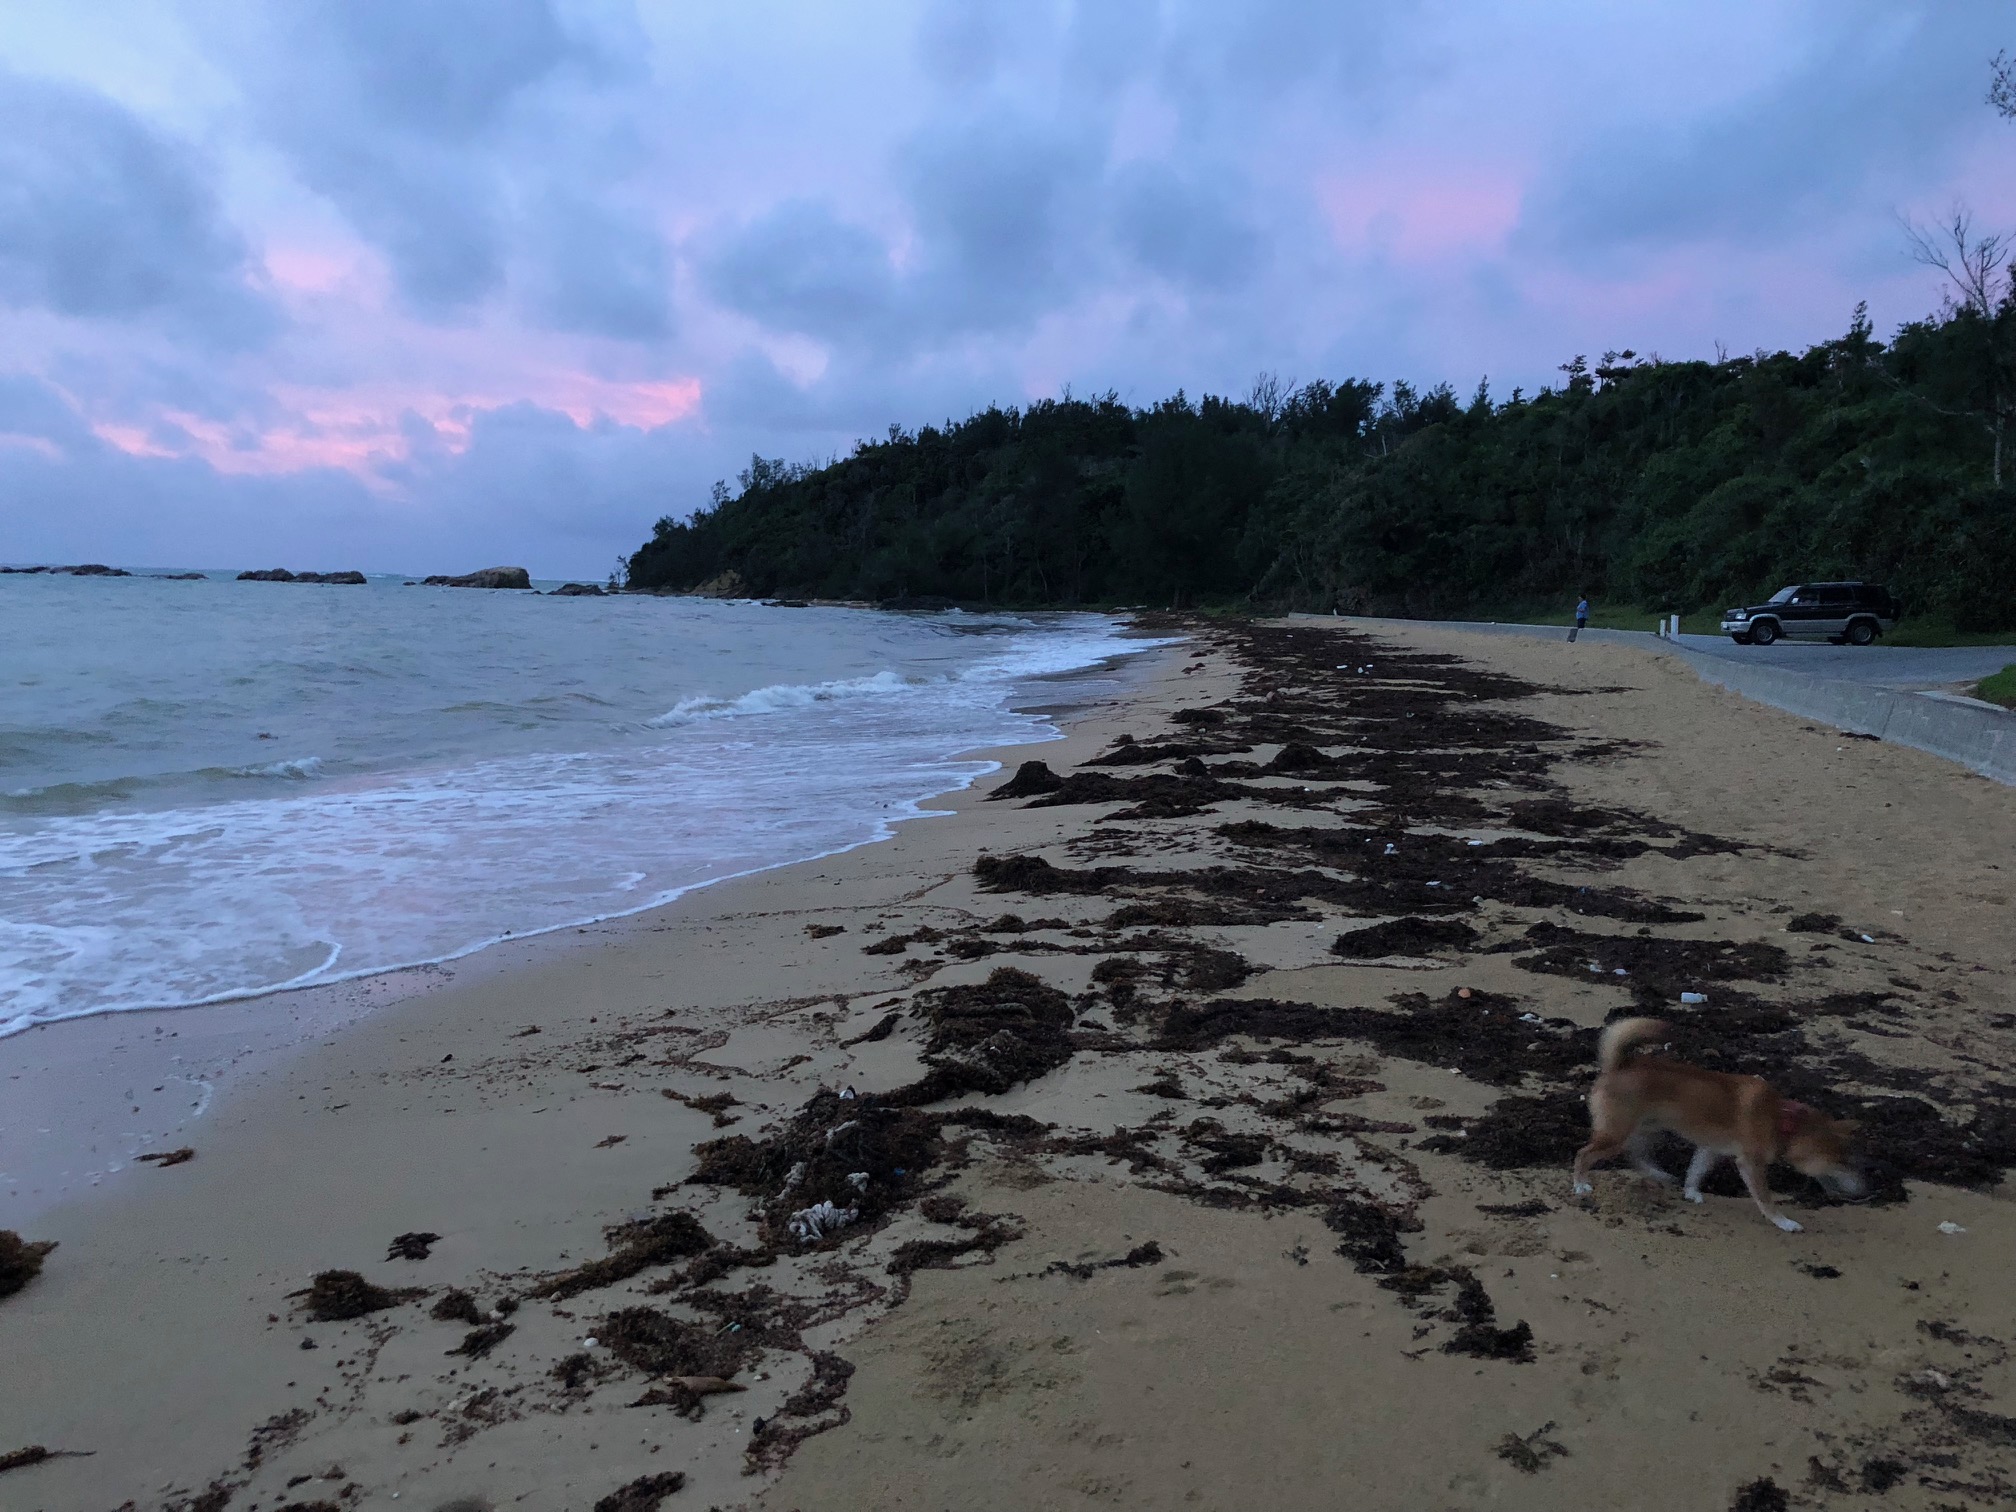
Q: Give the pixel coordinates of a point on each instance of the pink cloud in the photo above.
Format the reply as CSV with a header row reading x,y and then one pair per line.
x,y
1421,212
363,429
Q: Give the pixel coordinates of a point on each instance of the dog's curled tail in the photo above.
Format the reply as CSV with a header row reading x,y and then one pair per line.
x,y
1619,1037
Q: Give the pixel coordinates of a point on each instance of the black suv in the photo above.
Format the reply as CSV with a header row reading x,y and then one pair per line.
x,y
1853,612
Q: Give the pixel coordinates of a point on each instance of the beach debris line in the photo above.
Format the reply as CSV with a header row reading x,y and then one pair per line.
x,y
20,1261
414,1246
162,1159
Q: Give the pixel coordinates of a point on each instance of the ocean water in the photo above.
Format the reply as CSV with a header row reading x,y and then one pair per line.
x,y
216,789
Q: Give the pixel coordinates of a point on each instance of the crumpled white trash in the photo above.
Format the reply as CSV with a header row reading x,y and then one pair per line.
x,y
817,1221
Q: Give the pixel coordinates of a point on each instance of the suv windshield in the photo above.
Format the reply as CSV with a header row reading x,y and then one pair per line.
x,y
1783,595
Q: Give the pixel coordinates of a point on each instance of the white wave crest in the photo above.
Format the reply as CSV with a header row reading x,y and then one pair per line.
x,y
778,698
300,769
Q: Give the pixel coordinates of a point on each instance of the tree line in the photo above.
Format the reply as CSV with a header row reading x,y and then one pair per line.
x,y
1672,485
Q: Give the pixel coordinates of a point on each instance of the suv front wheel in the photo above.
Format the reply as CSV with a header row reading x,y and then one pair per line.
x,y
1763,632
1861,633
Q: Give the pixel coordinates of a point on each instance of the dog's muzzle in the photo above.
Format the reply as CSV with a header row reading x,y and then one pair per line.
x,y
1845,1184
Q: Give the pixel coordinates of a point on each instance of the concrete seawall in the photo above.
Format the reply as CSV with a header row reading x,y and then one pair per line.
x,y
1981,739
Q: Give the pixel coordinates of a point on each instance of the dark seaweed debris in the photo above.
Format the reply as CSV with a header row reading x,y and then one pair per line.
x,y
632,1247
657,1343
20,1261
643,1494
1149,1253
1761,1495
1484,1035
336,1295
478,1342
1529,1453
21,1459
1031,779
415,1246
1406,936
986,1232
456,1306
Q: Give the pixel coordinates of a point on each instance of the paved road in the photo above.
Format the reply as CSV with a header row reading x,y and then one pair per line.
x,y
1879,665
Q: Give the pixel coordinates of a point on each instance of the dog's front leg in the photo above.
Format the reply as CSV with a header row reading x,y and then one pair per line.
x,y
1697,1172
1753,1178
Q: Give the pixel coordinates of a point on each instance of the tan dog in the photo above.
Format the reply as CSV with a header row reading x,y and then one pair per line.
x,y
1721,1114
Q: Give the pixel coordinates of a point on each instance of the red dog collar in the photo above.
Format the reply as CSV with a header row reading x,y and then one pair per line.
x,y
1789,1113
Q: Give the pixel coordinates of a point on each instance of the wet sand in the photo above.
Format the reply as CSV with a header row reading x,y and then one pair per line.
x,y
1159,1199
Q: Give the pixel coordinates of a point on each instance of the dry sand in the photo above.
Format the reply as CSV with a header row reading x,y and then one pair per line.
x,y
1227,1238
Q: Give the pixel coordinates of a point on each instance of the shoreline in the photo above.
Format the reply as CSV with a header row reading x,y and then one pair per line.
x,y
89,1093
1164,1203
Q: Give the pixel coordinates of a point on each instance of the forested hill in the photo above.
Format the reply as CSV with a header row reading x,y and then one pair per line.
x,y
1673,485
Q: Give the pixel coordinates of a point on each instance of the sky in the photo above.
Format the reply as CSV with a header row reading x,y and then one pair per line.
x,y
428,285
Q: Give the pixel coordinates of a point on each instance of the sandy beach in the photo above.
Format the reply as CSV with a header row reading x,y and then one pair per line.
x,y
1189,1128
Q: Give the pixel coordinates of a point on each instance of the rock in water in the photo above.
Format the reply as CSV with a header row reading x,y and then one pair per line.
x,y
577,590
488,577
282,575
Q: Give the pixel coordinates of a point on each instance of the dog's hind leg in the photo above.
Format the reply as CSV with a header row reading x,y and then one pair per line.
x,y
1697,1172
1753,1178
1640,1148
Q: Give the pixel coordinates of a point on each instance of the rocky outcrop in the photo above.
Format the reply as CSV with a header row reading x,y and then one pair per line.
x,y
179,577
726,586
489,577
282,575
577,590
88,569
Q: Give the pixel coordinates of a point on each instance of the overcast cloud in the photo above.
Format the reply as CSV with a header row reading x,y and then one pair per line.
x,y
429,284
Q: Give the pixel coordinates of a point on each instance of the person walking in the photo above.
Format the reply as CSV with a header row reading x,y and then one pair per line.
x,y
1581,615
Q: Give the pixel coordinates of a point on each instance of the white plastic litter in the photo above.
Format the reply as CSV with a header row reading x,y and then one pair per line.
x,y
1693,997
1392,849
1950,1227
1434,884
819,1220
1868,939
1620,971
858,1180
847,1094
793,1176
1595,968
590,1343
1529,1018
1473,842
